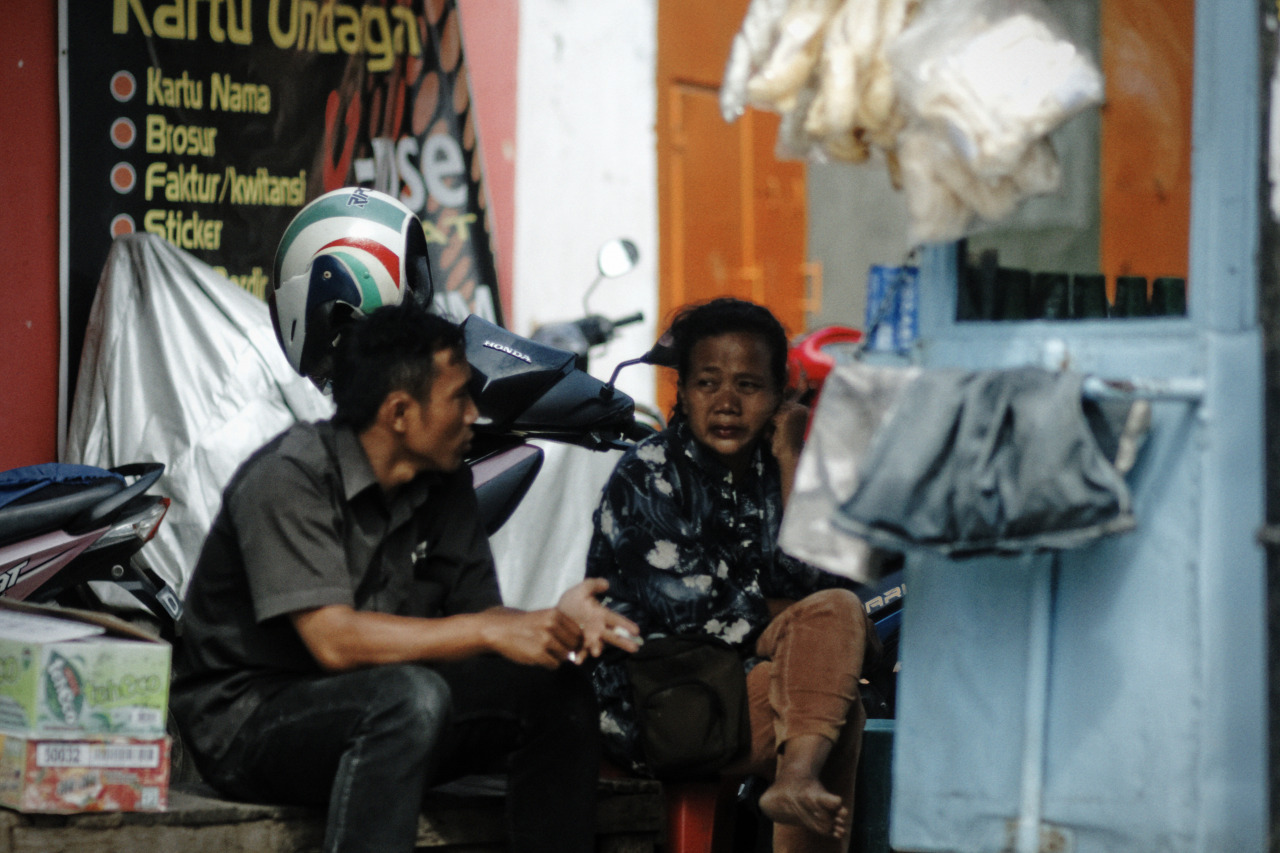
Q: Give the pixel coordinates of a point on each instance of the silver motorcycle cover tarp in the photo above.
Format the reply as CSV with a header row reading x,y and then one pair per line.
x,y
180,366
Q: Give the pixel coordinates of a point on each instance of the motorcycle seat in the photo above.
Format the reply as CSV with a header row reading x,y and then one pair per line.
x,y
45,502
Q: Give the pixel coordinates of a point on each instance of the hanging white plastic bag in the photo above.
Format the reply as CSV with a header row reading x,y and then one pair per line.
x,y
823,66
946,199
750,51
855,107
790,64
994,75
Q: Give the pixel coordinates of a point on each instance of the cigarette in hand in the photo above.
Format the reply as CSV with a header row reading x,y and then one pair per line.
x,y
627,635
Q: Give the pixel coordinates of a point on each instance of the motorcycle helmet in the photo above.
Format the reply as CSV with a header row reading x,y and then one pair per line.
x,y
345,254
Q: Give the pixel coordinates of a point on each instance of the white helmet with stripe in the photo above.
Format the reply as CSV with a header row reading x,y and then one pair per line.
x,y
345,254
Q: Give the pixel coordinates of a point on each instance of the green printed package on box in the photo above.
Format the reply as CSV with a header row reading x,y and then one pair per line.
x,y
61,677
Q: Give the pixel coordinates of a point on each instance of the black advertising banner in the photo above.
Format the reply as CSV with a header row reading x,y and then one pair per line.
x,y
211,122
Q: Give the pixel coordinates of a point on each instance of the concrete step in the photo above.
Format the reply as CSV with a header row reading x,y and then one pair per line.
x,y
461,817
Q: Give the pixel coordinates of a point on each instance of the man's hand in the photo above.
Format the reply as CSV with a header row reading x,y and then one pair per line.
x,y
599,624
340,638
537,638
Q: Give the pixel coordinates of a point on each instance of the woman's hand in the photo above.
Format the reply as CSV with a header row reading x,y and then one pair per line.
x,y
599,624
790,423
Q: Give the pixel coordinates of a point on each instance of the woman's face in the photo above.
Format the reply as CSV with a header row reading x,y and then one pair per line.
x,y
729,395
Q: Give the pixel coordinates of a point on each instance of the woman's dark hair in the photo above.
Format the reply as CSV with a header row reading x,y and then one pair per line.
x,y
391,349
723,316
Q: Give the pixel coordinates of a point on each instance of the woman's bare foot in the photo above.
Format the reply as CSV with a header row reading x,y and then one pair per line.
x,y
805,802
797,796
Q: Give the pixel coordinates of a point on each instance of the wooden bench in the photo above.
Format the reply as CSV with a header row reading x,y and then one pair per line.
x,y
630,819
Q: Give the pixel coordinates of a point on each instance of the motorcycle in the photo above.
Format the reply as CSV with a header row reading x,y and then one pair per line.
x,y
526,391
64,527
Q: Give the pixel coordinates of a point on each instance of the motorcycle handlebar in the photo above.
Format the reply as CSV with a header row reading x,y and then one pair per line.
x,y
597,329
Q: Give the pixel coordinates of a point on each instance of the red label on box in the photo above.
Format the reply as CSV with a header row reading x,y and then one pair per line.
x,y
115,774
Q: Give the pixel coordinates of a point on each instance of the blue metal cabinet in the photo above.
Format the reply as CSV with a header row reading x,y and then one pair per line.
x,y
1114,698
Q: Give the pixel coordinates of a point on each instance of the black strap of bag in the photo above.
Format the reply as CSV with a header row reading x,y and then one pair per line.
x,y
691,702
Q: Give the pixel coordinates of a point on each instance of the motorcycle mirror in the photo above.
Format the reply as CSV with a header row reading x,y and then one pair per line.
x,y
661,354
618,256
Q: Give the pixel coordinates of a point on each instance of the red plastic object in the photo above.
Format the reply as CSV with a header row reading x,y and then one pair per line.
x,y
807,362
695,810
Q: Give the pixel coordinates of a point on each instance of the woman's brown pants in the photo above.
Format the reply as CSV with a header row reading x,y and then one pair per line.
x,y
808,684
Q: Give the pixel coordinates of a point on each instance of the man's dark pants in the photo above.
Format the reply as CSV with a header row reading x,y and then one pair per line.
x,y
366,744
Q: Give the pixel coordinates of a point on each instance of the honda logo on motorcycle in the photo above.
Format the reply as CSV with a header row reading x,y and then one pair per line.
x,y
509,351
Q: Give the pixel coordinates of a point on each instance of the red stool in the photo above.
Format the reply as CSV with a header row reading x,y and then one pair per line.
x,y
695,810
700,815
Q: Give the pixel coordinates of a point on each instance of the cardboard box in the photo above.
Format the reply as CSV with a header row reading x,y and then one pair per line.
x,y
68,674
90,775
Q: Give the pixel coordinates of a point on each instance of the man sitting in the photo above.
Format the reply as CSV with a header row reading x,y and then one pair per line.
x,y
344,643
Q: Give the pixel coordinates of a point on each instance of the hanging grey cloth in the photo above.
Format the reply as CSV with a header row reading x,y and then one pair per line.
x,y
999,461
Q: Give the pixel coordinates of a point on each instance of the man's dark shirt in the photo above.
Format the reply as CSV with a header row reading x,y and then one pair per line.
x,y
303,525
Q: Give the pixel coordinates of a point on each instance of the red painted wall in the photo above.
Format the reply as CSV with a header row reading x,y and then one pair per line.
x,y
29,324
490,35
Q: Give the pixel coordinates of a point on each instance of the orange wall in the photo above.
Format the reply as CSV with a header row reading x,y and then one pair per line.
x,y
1146,137
29,313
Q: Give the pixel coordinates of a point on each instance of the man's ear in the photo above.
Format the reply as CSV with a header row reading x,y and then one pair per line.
x,y
394,409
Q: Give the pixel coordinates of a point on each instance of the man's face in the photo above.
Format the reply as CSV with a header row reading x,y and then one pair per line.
x,y
439,426
729,395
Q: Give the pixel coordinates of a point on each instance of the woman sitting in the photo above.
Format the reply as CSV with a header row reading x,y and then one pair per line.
x,y
686,534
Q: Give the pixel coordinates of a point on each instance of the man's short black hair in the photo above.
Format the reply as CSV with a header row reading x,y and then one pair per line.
x,y
391,349
727,315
